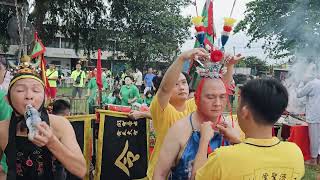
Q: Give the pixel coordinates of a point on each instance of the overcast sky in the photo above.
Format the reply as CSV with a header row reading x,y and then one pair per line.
x,y
222,8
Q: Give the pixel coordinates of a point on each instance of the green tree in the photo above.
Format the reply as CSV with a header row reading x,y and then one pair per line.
x,y
257,65
148,30
144,30
286,26
83,23
5,11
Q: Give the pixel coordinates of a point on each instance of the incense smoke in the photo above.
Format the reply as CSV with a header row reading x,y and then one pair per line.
x,y
302,28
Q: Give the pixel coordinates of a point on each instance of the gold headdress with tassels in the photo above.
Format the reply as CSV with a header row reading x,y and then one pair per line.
x,y
26,66
25,70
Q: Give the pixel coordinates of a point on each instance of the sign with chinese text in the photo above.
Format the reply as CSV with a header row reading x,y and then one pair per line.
x,y
124,152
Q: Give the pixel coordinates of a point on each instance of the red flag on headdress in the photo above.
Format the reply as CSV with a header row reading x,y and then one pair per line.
x,y
207,13
38,48
210,19
38,53
99,71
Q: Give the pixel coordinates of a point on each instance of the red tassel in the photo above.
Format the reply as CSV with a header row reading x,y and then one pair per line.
x,y
36,36
199,91
209,151
219,120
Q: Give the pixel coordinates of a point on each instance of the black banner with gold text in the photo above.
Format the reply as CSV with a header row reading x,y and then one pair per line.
x,y
124,153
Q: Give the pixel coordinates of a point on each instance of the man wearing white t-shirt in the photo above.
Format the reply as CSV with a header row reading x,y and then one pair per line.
x,y
138,78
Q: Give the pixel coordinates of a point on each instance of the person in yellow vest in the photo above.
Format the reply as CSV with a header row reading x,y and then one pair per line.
x,y
78,77
52,75
259,156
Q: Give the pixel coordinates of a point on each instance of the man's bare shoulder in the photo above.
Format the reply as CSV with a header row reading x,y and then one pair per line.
x,y
59,124
4,132
57,119
180,132
181,129
181,124
4,126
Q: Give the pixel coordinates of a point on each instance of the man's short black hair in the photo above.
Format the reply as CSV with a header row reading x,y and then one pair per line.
x,y
156,83
115,92
149,92
267,99
128,76
59,106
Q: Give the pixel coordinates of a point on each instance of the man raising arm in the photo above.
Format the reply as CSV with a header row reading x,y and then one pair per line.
x,y
171,101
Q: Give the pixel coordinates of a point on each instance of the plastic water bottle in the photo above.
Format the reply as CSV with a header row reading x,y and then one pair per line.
x,y
32,119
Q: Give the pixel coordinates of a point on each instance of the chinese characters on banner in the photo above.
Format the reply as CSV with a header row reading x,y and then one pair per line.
x,y
125,148
127,128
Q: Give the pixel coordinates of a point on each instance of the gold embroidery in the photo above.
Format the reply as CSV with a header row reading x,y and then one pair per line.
x,y
129,123
119,133
135,132
128,159
119,123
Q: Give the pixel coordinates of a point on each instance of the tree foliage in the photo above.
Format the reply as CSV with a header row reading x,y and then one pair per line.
x,y
144,30
257,65
4,18
149,30
286,26
83,22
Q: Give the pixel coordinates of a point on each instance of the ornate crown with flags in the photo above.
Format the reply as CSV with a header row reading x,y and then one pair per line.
x,y
25,66
29,68
25,70
205,36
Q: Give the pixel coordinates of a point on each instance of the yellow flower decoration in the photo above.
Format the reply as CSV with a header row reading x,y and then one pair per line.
x,y
229,21
197,20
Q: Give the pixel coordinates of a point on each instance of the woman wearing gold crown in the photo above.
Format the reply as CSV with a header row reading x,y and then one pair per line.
x,y
31,157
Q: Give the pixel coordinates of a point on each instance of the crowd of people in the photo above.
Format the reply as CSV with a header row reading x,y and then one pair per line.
x,y
194,139
124,89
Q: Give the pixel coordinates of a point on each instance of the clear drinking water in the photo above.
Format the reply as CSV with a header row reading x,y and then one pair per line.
x,y
32,119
